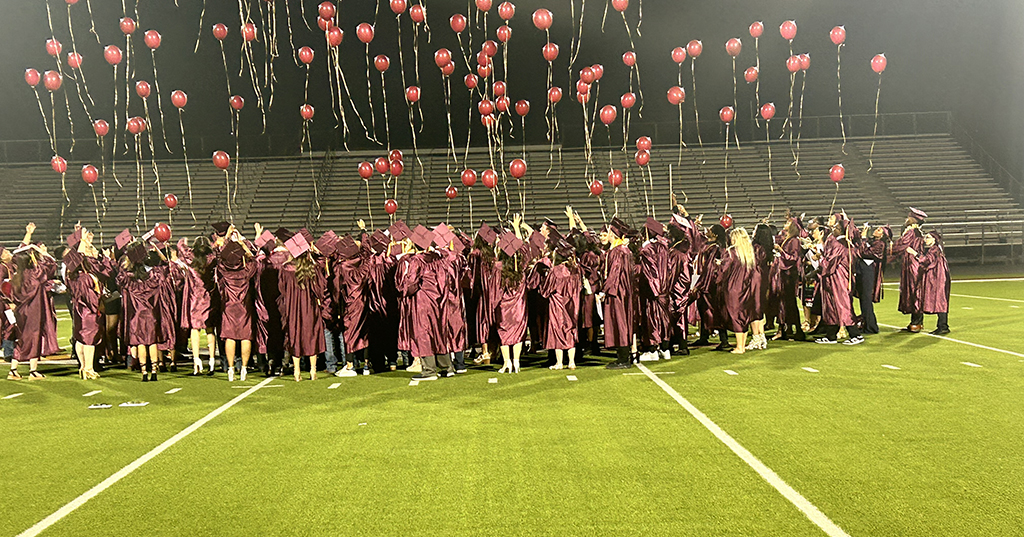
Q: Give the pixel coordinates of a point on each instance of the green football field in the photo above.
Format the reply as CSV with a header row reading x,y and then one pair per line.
x,y
903,435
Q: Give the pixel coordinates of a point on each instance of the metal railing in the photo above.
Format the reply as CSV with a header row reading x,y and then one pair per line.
x,y
985,229
1007,180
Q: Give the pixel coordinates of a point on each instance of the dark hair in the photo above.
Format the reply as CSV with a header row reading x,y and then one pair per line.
x,y
764,236
305,269
721,238
511,273
200,250
22,262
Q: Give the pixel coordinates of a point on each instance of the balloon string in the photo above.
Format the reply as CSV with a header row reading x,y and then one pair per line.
x,y
640,22
768,144
451,153
834,198
725,177
757,83
647,200
369,92
696,112
81,74
640,89
152,150
800,125
340,75
387,120
250,65
576,44
839,87
302,15
227,193
470,194
303,144
53,121
160,104
786,125
49,134
605,16
140,207
735,106
96,205
415,146
238,118
92,23
601,203
117,128
874,133
628,32
333,82
469,132
199,35
369,212
227,75
188,173
291,40
67,106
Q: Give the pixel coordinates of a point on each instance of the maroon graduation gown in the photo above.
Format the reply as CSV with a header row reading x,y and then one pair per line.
x,y
654,293
195,299
85,288
562,289
487,288
140,301
737,292
705,290
590,264
935,281
451,270
237,300
874,250
910,272
790,263
417,281
8,331
618,299
34,312
302,307
354,274
836,287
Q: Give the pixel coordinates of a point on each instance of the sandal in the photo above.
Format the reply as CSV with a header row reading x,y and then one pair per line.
x,y
35,375
13,375
556,367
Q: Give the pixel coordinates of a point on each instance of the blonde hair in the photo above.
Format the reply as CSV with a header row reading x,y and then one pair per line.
x,y
741,244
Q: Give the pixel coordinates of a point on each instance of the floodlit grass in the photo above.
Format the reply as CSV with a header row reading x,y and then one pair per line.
x,y
929,449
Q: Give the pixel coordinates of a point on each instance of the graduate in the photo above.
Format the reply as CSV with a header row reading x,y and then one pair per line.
x,y
196,265
236,272
617,294
935,281
562,289
912,239
140,279
874,252
654,288
33,311
486,291
511,317
736,286
417,280
302,303
789,261
86,273
765,305
837,282
704,288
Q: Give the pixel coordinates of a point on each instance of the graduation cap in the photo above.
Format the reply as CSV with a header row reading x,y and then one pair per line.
x,y
221,228
297,245
184,252
509,243
328,243
458,243
74,239
282,234
232,254
123,239
537,240
148,235
655,227
346,247
306,234
400,231
422,237
486,233
442,235
265,238
564,249
551,223
619,228
466,240
137,253
918,214
379,241
72,260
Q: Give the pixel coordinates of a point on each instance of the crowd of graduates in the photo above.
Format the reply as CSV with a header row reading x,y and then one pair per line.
x,y
433,300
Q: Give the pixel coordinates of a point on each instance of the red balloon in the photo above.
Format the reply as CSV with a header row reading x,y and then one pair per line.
x,y
522,107
236,102
500,88
89,174
542,19
306,55
489,178
364,32
583,98
694,48
596,188
365,170
249,31
418,13
458,23
221,160
550,52
788,30
554,95
171,201
112,54
676,95
100,127
506,10
620,5
382,165
608,114
142,89
31,77
127,25
136,125
412,94
396,167
615,178
838,35
52,80
485,107
162,232
733,47
71,2
679,54
395,154
451,192
324,24
627,100
391,206
517,168
398,7
727,114
587,76
442,57
381,62
326,10
482,58
805,61
598,70
756,29
837,173
768,111
643,143
629,58
483,5
152,39
750,75
483,70
502,103
306,111
75,60
490,48
725,221
582,87
793,63
220,31
643,157
504,33
471,81
335,36
878,63
448,69
468,178
58,164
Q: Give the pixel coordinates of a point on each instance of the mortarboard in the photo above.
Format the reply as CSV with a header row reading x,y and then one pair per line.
x,y
297,245
422,237
123,239
509,243
306,234
379,241
221,228
618,227
282,234
265,238
918,214
137,253
148,235
72,260
400,231
231,255
328,243
537,241
486,233
655,227
443,236
346,247
74,239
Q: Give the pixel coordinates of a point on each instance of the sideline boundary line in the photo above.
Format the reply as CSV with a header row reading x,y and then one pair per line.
x,y
976,345
988,280
769,475
989,298
45,523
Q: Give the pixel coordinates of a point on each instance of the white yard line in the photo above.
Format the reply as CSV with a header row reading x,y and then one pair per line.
x,y
887,366
809,369
92,393
989,298
993,349
769,475
13,395
990,280
970,364
124,472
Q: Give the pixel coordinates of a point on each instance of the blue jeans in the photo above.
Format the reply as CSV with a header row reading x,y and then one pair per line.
x,y
8,347
335,352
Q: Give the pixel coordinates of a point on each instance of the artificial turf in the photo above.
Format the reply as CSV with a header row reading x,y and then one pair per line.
x,y
929,449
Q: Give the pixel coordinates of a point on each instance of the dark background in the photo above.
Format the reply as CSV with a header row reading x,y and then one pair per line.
x,y
959,56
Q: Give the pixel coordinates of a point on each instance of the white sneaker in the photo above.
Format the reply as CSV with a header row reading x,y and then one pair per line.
x,y
665,355
346,372
648,357
231,374
243,374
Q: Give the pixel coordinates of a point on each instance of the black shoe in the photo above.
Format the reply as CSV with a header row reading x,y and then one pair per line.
x,y
145,377
618,365
940,331
152,377
723,347
163,368
174,368
700,343
683,351
800,336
